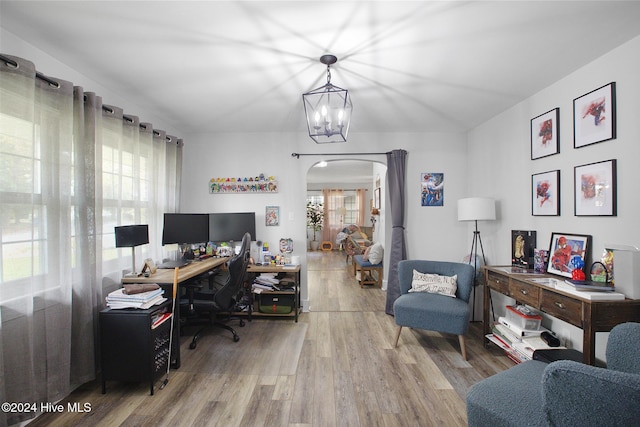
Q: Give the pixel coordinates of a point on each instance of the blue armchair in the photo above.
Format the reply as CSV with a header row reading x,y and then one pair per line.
x,y
432,311
564,393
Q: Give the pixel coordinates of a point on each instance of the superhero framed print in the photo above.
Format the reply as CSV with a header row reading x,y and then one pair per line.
x,y
568,252
432,189
594,116
545,140
595,189
545,193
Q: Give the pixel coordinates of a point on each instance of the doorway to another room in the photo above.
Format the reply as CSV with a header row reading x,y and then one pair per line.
x,y
349,196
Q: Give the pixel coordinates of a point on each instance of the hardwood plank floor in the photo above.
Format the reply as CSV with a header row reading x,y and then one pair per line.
x,y
335,367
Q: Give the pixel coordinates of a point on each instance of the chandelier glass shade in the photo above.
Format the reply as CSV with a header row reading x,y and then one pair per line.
x,y
328,109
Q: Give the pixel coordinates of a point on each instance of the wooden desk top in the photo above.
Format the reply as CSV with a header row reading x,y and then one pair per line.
x,y
273,268
165,276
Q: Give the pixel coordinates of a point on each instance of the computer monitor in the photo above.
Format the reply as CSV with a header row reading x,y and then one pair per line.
x,y
184,228
225,227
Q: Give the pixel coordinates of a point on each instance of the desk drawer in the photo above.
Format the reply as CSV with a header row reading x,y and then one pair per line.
x,y
562,307
498,282
525,293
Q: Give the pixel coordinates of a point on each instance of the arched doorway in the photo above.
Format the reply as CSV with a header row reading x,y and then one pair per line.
x,y
348,177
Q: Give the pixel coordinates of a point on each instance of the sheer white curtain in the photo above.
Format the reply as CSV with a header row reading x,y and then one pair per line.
x,y
70,173
333,204
361,206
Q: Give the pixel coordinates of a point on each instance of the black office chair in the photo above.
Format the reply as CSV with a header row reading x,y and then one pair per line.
x,y
203,304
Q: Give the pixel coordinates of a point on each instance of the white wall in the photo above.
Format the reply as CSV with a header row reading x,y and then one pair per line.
x,y
500,166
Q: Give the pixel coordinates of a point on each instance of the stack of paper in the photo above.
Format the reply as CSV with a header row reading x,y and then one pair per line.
x,y
118,299
265,282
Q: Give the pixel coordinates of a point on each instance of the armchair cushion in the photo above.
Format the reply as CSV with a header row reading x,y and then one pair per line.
x,y
579,395
434,283
432,312
489,405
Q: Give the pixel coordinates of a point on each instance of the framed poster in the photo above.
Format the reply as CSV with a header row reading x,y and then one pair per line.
x,y
523,244
272,216
545,193
545,139
432,189
594,116
568,252
595,189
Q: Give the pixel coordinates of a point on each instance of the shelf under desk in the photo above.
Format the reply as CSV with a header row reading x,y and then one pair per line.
x,y
295,271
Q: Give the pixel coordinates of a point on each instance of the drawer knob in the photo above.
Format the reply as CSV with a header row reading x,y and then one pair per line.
x,y
524,292
559,305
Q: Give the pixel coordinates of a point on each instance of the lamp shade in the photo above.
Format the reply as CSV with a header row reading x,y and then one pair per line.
x,y
129,236
476,209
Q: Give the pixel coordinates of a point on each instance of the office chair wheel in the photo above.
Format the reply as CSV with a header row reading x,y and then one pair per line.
x,y
236,338
192,345
242,323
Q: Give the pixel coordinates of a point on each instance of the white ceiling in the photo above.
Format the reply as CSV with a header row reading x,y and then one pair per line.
x,y
238,66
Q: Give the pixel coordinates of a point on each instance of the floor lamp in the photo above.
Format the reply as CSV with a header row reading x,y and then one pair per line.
x,y
476,209
130,236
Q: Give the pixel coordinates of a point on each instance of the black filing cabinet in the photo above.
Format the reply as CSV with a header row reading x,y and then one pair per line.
x,y
133,348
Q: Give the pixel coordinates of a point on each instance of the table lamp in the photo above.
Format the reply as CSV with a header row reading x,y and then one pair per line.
x,y
130,236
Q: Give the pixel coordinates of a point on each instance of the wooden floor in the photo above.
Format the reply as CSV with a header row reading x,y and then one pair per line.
x,y
335,367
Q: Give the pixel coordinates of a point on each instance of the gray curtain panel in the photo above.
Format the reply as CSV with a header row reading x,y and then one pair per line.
x,y
56,141
396,175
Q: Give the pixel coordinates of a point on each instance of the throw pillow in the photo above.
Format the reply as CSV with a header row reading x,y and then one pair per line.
x,y
434,283
375,253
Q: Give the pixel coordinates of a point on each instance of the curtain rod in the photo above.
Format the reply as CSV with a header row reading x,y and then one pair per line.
x,y
340,189
14,64
297,155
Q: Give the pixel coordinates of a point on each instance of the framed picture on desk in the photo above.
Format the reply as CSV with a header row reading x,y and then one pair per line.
x,y
568,252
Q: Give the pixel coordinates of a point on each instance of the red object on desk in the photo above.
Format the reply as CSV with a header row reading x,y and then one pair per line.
x,y
577,274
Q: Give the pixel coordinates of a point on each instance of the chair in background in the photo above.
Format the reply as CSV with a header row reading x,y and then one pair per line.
x,y
205,304
564,392
432,311
354,240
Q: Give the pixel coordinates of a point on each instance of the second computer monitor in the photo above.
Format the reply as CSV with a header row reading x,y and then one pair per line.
x,y
226,227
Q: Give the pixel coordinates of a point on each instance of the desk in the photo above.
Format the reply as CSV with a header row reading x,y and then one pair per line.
x,y
256,269
164,278
590,316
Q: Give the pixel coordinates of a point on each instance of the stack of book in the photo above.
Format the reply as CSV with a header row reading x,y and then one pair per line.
x,y
118,299
518,344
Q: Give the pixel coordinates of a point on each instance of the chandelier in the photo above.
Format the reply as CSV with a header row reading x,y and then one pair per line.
x,y
328,109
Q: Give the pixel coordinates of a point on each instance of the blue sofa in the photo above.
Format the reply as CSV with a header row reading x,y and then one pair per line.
x,y
564,393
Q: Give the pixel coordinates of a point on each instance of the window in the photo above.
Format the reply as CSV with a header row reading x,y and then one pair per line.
x,y
21,212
